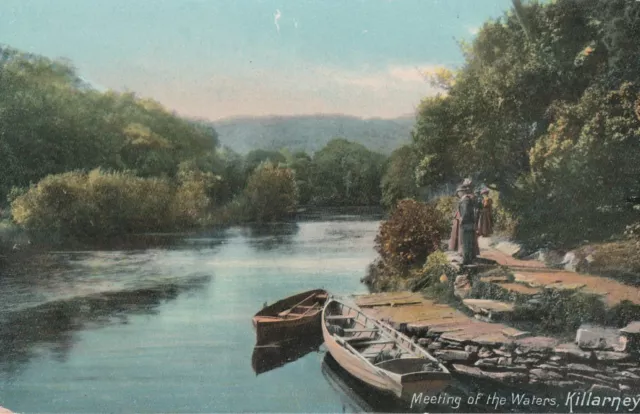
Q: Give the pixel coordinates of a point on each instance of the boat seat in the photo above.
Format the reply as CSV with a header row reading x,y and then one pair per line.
x,y
361,330
338,317
376,342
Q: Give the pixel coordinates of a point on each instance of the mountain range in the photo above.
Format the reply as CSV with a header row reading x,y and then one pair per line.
x,y
311,133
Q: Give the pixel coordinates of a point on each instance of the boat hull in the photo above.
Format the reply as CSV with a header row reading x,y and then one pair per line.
x,y
271,328
402,386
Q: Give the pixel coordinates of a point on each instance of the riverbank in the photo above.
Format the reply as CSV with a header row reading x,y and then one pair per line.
x,y
500,353
521,322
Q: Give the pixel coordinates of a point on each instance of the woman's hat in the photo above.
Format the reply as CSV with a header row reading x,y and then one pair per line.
x,y
484,191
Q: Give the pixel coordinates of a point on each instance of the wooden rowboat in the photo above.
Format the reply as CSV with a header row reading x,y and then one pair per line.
x,y
379,355
290,318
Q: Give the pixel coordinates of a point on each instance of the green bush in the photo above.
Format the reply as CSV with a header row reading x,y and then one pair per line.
x,y
446,206
103,204
412,232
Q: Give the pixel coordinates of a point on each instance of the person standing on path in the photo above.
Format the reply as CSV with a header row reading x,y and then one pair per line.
x,y
463,231
485,218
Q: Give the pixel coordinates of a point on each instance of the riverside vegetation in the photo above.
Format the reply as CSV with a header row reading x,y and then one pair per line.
x,y
89,166
545,112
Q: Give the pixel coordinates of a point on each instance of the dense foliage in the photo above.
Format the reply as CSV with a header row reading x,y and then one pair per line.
x,y
410,234
346,173
545,111
399,181
271,193
80,163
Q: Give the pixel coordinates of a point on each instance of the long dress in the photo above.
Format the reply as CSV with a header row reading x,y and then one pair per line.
x,y
485,220
455,240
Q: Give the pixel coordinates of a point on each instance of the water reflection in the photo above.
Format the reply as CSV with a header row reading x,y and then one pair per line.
x,y
52,326
274,236
269,357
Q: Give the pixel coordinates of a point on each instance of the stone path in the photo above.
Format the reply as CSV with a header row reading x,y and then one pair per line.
x,y
423,315
531,276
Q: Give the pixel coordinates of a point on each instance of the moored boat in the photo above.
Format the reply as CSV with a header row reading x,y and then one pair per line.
x,y
291,318
379,355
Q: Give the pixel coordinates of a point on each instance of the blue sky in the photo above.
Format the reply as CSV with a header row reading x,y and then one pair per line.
x,y
215,59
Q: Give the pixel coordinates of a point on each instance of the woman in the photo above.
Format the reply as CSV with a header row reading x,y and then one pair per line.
x,y
485,220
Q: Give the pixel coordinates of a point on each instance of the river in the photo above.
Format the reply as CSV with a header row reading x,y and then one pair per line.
x,y
168,329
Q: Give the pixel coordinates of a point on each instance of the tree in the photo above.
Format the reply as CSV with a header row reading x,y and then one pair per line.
x,y
346,173
271,193
399,179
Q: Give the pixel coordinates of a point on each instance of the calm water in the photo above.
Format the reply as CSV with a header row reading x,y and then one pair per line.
x,y
169,329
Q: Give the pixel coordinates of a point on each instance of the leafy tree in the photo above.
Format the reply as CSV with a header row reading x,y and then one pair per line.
x,y
271,193
399,179
346,173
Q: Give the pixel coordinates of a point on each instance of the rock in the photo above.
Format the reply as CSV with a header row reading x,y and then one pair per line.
x,y
486,363
588,379
509,248
573,352
556,358
424,342
630,375
508,376
472,349
453,355
526,361
491,309
502,352
554,368
598,337
623,387
541,344
604,390
612,356
434,346
485,352
573,262
505,361
565,384
545,375
581,368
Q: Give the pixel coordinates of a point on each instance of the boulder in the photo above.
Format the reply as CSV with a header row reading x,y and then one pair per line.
x,y
505,361
462,287
599,337
434,346
424,342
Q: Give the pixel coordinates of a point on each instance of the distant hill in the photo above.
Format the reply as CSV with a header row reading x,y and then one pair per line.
x,y
311,133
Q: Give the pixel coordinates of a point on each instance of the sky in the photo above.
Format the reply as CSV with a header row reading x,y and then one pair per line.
x,y
215,59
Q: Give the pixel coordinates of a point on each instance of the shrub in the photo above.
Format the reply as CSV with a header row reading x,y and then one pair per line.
x,y
412,232
446,206
102,205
